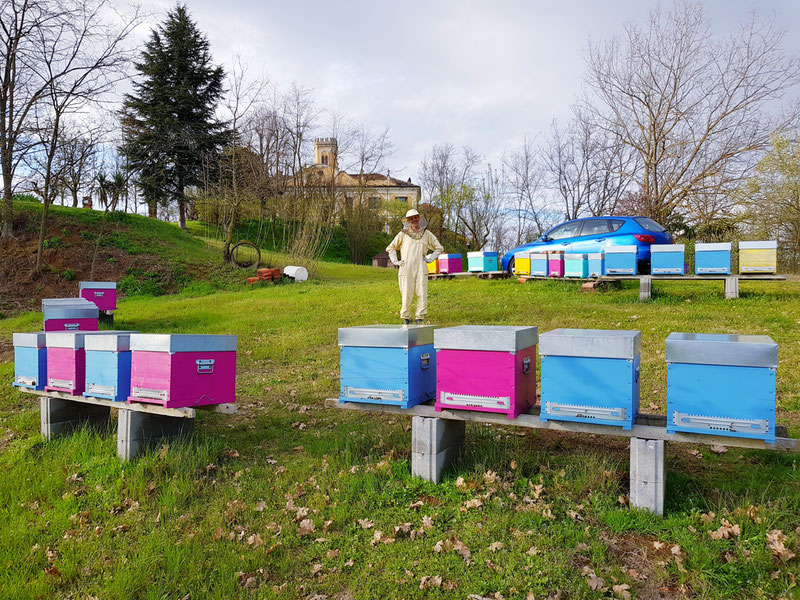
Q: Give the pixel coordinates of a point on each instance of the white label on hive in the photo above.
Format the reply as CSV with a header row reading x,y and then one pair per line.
x,y
447,399
720,423
22,380
557,409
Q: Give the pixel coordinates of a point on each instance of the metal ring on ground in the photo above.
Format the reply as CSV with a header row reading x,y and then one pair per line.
x,y
245,254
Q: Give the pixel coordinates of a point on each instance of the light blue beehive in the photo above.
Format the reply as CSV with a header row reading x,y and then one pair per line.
x,y
576,265
30,360
590,376
596,264
108,366
712,258
621,260
481,262
539,264
721,384
667,259
387,364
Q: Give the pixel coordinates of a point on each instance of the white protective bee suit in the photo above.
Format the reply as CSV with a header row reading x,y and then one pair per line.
x,y
413,276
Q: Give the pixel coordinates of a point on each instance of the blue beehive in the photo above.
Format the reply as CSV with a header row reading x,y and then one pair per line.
x,y
712,258
621,260
30,360
539,264
108,366
721,384
482,262
667,259
387,364
590,376
576,265
596,264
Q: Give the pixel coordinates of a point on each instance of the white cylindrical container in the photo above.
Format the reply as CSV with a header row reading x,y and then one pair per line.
x,y
296,273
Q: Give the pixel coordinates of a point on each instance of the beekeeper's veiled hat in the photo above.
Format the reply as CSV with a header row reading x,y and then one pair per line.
x,y
413,212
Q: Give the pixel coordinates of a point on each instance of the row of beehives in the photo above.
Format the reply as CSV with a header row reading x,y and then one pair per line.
x,y
477,262
717,383
171,370
82,313
665,259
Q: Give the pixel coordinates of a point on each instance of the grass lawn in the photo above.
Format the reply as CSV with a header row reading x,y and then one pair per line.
x,y
292,499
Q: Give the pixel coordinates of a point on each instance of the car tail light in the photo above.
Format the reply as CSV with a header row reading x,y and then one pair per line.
x,y
642,237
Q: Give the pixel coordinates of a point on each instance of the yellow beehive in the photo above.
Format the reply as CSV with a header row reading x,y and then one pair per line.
x,y
758,257
433,267
522,263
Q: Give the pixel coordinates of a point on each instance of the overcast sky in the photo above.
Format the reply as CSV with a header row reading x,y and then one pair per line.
x,y
477,73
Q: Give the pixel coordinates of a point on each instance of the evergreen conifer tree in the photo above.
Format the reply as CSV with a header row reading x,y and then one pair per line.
x,y
169,122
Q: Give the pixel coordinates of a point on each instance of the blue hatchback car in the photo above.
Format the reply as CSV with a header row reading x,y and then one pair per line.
x,y
593,234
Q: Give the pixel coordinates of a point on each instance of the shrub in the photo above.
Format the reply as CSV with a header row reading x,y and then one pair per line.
x,y
68,275
53,242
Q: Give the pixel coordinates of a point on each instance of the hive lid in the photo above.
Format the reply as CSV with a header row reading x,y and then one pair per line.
x,y
722,349
182,342
621,249
65,302
501,338
71,311
441,256
576,256
668,248
386,336
593,343
766,245
30,340
75,339
481,254
111,341
716,247
523,254
595,256
97,285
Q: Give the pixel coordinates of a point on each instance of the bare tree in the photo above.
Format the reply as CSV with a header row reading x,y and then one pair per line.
x,y
524,182
75,158
697,111
80,59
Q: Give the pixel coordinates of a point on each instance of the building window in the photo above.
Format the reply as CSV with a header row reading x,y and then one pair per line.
x,y
324,159
401,198
374,202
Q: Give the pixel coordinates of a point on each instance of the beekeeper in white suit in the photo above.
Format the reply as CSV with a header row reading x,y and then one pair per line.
x,y
413,242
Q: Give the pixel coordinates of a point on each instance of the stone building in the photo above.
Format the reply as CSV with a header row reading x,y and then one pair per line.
x,y
377,189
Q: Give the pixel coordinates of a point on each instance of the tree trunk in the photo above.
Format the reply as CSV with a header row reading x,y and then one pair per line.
x,y
74,198
152,209
8,202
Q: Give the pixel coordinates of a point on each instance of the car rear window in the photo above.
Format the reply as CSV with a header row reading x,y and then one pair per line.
x,y
616,224
649,224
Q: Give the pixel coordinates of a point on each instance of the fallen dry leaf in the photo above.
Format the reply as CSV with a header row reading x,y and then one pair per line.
x,y
658,545
460,483
532,551
332,553
725,531
490,477
474,503
427,581
366,523
255,541
718,449
495,546
427,522
776,542
306,526
621,590
708,517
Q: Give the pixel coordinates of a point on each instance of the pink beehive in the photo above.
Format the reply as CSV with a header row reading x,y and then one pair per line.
x,y
70,314
450,263
555,263
177,370
66,360
488,368
101,293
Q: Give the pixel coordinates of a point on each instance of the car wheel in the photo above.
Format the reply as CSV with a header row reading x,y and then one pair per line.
x,y
510,267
